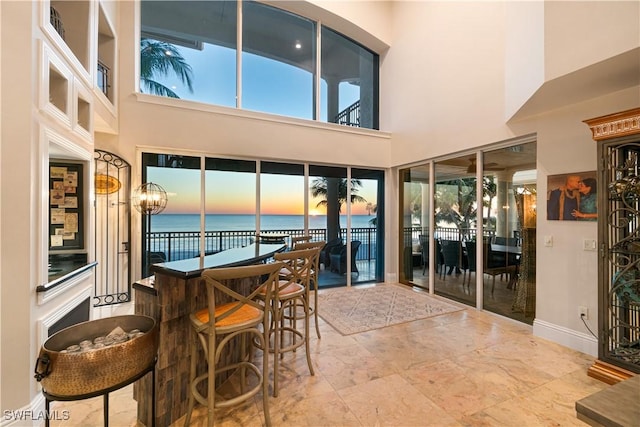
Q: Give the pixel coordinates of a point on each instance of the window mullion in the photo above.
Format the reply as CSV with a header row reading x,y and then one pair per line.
x,y
316,80
239,55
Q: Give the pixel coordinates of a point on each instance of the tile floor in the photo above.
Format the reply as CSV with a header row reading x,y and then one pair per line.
x,y
467,368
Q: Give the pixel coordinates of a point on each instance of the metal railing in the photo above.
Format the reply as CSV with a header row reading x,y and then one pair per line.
x,y
103,78
350,116
177,245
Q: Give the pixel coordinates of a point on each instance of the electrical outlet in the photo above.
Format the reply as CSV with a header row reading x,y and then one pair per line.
x,y
584,312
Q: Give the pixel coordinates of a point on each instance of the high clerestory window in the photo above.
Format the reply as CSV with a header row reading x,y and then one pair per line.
x,y
191,50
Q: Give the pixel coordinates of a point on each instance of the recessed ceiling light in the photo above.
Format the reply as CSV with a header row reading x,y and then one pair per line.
x,y
298,45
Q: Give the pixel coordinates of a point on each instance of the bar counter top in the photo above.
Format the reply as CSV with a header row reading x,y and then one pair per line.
x,y
193,267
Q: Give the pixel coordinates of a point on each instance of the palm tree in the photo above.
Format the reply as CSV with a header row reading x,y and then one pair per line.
x,y
158,59
334,192
459,206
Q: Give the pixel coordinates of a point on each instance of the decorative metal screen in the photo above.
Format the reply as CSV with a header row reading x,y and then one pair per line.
x,y
620,232
112,186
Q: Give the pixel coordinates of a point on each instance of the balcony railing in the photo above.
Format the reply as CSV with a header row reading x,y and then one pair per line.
x,y
103,78
350,116
177,245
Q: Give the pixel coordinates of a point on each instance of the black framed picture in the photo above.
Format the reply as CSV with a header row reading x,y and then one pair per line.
x,y
65,206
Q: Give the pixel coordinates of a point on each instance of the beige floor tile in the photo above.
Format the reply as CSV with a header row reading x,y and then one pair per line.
x,y
466,368
392,401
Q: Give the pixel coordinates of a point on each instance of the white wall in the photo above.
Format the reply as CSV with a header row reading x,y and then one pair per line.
x,y
443,87
18,227
578,34
450,78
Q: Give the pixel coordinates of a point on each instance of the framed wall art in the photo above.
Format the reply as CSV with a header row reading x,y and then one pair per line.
x,y
572,196
66,209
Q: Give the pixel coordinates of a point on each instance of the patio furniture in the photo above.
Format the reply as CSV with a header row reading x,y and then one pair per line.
x,y
326,252
424,249
451,256
339,258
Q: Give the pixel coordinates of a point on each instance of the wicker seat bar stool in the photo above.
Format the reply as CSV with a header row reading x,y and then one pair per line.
x,y
228,315
313,281
290,294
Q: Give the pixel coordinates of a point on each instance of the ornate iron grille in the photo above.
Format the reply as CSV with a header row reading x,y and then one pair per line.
x,y
113,232
620,301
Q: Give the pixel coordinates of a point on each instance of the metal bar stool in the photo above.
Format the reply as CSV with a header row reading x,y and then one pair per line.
x,y
228,315
313,281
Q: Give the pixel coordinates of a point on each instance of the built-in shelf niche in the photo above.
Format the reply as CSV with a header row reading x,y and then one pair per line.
x,y
74,19
58,90
83,118
106,56
56,87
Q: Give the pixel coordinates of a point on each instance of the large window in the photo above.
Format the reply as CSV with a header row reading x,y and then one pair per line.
x,y
228,202
189,50
278,61
349,82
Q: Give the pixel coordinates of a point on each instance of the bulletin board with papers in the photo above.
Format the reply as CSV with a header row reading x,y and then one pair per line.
x,y
65,206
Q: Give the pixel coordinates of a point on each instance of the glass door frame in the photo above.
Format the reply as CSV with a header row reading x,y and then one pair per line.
x,y
480,227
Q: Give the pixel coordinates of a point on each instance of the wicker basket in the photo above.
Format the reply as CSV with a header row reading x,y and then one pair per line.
x,y
64,374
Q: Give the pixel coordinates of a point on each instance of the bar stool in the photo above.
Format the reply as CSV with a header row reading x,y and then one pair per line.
x,y
229,315
287,297
313,282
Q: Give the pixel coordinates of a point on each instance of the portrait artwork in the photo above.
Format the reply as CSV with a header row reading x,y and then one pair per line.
x,y
572,197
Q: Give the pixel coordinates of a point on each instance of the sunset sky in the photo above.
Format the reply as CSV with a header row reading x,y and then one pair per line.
x,y
234,193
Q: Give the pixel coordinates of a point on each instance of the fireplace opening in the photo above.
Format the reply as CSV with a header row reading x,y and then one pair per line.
x,y
77,315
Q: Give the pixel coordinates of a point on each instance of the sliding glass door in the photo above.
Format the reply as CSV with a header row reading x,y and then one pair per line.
x,y
232,200
510,207
414,225
483,242
455,216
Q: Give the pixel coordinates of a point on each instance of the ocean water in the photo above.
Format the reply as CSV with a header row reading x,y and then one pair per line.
x,y
191,222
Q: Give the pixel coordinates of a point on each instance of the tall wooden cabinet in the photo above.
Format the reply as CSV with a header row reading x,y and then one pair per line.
x,y
618,139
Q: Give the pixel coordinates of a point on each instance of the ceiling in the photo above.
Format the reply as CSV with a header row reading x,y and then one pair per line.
x,y
267,32
504,161
612,75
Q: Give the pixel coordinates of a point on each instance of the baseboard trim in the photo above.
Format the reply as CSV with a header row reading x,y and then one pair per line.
x,y
608,373
579,341
32,414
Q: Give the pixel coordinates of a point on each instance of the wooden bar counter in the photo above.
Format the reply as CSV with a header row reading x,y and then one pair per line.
x,y
175,291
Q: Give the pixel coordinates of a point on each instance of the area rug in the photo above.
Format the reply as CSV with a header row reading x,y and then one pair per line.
x,y
359,309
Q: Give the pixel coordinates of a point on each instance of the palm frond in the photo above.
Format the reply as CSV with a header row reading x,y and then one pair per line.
x,y
159,58
158,88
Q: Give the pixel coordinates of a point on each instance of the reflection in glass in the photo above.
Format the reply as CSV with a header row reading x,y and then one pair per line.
x,y
188,50
349,82
455,212
278,61
510,209
414,199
